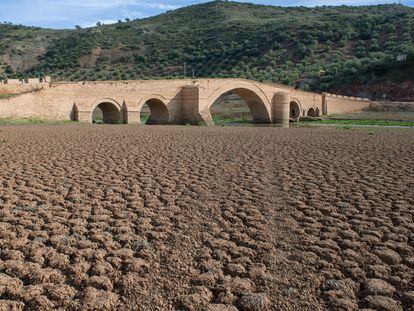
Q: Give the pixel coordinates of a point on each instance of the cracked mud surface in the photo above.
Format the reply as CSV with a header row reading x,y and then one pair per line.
x,y
188,218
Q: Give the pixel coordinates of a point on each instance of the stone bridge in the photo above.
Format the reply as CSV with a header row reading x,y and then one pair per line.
x,y
186,101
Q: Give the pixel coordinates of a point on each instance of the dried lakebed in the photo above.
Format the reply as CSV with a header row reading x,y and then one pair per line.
x,y
193,218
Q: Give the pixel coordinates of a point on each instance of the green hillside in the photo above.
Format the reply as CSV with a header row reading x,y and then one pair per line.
x,y
344,49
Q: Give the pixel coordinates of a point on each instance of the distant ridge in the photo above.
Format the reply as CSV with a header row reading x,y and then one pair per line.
x,y
367,50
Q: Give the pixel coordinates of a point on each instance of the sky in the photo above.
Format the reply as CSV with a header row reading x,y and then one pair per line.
x,y
86,13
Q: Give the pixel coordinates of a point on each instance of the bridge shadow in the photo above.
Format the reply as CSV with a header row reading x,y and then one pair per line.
x,y
74,113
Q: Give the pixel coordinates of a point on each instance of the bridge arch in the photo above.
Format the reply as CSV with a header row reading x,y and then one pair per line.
x,y
158,109
295,109
107,110
311,112
257,101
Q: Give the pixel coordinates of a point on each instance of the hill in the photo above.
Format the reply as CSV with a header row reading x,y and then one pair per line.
x,y
343,49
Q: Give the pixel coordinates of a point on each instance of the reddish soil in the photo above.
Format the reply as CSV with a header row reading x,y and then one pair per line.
x,y
195,218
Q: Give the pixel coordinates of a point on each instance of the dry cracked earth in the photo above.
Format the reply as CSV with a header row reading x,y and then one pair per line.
x,y
194,218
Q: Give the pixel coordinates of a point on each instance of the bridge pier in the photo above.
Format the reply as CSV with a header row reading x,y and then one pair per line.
x,y
324,104
131,117
83,116
280,109
191,107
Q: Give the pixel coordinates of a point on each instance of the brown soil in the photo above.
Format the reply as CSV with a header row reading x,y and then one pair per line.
x,y
195,218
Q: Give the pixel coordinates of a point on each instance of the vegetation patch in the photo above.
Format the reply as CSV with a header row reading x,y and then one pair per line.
x,y
229,120
32,121
361,122
144,118
6,96
320,48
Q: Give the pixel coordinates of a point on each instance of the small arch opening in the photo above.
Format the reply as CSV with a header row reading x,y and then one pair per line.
x,y
311,112
294,112
106,113
154,112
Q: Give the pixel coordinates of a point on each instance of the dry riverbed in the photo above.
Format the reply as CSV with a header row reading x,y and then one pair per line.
x,y
195,218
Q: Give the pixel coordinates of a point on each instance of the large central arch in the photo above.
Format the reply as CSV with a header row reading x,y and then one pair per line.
x,y
107,110
253,96
158,110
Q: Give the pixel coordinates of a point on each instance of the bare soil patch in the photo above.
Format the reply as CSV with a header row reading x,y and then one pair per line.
x,y
193,218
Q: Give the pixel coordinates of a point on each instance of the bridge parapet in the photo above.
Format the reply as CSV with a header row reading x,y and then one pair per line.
x,y
16,86
348,97
45,79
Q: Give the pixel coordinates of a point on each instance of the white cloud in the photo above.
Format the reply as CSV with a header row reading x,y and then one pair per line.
x,y
67,13
92,24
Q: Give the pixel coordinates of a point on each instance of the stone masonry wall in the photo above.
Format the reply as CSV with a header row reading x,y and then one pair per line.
x,y
186,100
344,104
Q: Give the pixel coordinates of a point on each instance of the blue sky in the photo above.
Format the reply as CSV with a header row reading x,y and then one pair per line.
x,y
68,13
